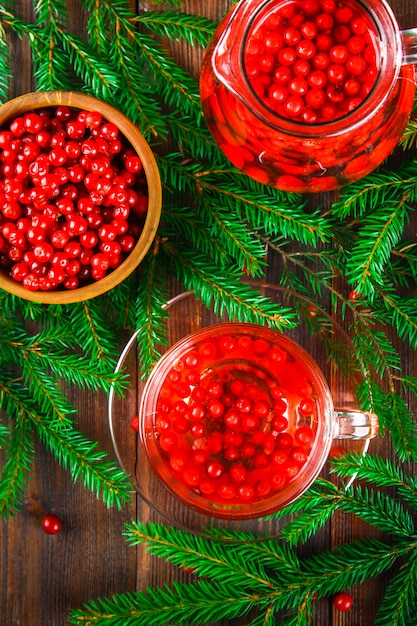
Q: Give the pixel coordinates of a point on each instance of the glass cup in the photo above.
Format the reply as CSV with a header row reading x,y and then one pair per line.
x,y
307,103
237,420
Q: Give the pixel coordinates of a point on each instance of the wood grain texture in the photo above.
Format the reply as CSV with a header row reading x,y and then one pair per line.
x,y
42,577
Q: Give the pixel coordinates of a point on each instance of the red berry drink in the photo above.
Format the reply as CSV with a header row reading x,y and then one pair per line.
x,y
307,95
234,420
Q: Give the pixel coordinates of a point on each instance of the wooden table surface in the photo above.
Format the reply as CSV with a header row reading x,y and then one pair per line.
x,y
42,577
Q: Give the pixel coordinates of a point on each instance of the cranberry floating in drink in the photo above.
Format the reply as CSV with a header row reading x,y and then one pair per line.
x,y
237,420
308,95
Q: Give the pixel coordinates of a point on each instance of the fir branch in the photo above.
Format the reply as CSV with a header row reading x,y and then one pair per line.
x,y
51,67
185,224
400,313
375,470
5,66
14,307
394,416
380,231
222,562
333,571
16,399
22,29
175,86
265,209
236,236
314,508
57,348
307,524
236,570
94,335
375,347
51,11
318,268
399,421
276,556
98,75
399,605
403,264
192,136
30,386
16,470
99,26
84,460
219,233
182,604
375,508
151,314
379,510
409,138
375,191
4,434
138,102
115,13
193,29
82,371
227,294
135,98
26,354
121,302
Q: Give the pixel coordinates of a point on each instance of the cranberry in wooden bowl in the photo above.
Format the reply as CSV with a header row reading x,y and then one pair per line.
x,y
80,197
236,420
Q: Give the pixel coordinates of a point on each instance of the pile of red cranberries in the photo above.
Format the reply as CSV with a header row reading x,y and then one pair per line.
x,y
73,198
312,61
228,430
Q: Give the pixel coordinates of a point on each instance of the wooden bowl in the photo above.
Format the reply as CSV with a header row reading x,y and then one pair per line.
x,y
39,100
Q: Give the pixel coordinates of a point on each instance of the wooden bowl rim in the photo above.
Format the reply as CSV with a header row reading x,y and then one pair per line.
x,y
40,99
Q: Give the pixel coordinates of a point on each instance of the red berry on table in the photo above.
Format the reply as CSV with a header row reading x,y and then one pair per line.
x,y
51,524
336,451
343,602
188,570
354,295
134,423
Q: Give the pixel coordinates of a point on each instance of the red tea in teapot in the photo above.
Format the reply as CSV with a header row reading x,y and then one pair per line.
x,y
312,61
308,95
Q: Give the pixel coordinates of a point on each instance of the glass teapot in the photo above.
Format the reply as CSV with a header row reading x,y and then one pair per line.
x,y
308,95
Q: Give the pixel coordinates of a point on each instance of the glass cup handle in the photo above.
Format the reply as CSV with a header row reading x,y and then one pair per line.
x,y
409,41
355,424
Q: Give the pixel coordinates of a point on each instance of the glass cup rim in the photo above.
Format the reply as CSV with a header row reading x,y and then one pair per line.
x,y
321,446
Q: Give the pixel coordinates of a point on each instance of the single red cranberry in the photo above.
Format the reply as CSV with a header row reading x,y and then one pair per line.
x,y
343,602
51,524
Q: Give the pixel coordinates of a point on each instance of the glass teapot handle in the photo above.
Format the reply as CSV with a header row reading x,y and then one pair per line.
x,y
355,424
409,42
